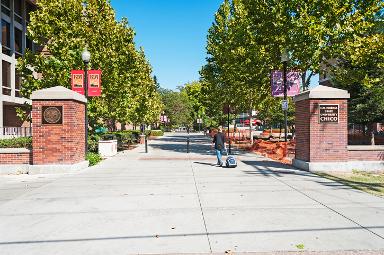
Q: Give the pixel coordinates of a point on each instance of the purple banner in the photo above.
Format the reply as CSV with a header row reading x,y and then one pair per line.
x,y
293,83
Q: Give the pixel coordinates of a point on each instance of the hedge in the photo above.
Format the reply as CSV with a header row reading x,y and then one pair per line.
x,y
19,142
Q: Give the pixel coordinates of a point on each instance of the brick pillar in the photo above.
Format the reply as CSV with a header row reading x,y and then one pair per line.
x,y
321,127
58,127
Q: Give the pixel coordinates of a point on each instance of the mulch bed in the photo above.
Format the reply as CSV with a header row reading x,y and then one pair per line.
x,y
279,151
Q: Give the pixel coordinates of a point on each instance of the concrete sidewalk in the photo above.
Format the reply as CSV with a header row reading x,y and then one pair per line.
x,y
168,201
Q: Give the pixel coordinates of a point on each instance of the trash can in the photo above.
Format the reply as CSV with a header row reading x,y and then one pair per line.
x,y
108,148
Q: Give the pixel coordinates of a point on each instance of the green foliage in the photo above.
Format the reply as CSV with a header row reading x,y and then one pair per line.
x,y
178,107
93,158
19,142
93,143
64,28
156,133
247,38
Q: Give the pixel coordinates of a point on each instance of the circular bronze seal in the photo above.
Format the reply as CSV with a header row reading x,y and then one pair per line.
x,y
52,115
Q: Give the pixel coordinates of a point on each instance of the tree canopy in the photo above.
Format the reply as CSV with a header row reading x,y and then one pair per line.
x,y
63,28
245,42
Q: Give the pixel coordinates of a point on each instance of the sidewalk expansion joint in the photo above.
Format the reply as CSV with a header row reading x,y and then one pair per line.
x,y
201,207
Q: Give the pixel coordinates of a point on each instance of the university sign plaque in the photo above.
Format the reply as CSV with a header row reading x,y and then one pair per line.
x,y
52,115
329,113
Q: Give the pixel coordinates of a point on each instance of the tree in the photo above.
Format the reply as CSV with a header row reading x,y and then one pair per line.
x,y
64,28
246,40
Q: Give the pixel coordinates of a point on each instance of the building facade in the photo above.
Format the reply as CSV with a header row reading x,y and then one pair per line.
x,y
15,16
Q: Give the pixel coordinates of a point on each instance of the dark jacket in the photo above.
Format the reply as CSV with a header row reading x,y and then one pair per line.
x,y
219,140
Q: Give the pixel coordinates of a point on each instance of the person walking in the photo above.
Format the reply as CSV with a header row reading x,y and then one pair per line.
x,y
219,144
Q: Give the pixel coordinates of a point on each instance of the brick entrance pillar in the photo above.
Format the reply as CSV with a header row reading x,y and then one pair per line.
x,y
58,135
321,128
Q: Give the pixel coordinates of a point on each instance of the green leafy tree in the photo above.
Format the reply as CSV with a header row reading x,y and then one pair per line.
x,y
63,29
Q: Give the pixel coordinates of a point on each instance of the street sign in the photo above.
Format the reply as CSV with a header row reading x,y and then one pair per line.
x,y
199,121
284,105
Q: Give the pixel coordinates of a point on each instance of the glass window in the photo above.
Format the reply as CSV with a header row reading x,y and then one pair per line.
x,y
29,44
6,7
17,84
6,70
18,40
18,7
6,37
29,8
6,3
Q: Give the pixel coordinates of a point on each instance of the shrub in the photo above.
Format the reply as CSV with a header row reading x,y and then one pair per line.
x,y
19,142
93,143
93,158
157,133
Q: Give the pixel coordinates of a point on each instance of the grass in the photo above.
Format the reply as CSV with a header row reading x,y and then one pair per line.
x,y
372,183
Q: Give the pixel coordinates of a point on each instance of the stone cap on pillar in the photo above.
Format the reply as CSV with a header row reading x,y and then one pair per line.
x,y
322,92
57,93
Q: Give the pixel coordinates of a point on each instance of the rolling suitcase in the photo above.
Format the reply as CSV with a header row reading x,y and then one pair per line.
x,y
231,162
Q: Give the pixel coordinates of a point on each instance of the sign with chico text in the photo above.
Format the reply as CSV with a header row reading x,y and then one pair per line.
x,y
329,113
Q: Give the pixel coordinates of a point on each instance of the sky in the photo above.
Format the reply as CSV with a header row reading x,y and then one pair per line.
x,y
173,34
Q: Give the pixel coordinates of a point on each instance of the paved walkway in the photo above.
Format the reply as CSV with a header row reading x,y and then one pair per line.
x,y
168,201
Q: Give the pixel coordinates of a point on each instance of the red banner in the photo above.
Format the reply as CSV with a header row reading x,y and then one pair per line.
x,y
94,83
77,81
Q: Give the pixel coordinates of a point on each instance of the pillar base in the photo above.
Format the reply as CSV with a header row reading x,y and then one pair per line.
x,y
347,166
56,169
142,139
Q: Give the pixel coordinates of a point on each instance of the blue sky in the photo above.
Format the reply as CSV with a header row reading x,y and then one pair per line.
x,y
172,33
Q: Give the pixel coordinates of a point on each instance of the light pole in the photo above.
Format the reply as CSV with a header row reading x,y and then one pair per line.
x,y
86,57
285,59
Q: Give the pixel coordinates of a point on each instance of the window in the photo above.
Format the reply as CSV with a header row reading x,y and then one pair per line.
x,y
29,8
6,70
18,11
6,3
18,40
17,85
18,7
6,7
6,37
29,44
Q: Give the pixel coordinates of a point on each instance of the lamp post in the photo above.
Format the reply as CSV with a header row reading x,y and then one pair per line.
x,y
285,59
86,57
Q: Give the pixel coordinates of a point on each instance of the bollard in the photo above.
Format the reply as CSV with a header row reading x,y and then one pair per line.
x,y
146,144
187,144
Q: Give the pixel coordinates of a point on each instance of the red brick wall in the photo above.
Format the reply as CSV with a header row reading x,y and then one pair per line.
x,y
58,144
16,158
366,155
302,130
321,141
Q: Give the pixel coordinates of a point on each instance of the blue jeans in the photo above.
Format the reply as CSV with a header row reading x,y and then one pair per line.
x,y
218,155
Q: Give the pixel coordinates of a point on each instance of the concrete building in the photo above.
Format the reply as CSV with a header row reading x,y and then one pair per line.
x,y
15,16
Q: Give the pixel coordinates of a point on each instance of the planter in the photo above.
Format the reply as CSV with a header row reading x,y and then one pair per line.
x,y
108,148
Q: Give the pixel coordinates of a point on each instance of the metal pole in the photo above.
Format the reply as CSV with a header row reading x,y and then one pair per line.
x,y
146,144
86,105
188,140
229,138
285,98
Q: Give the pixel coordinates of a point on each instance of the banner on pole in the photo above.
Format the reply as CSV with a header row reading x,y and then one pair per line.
x,y
293,83
94,83
77,81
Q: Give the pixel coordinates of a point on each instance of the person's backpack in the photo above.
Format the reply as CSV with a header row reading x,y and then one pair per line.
x,y
231,162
